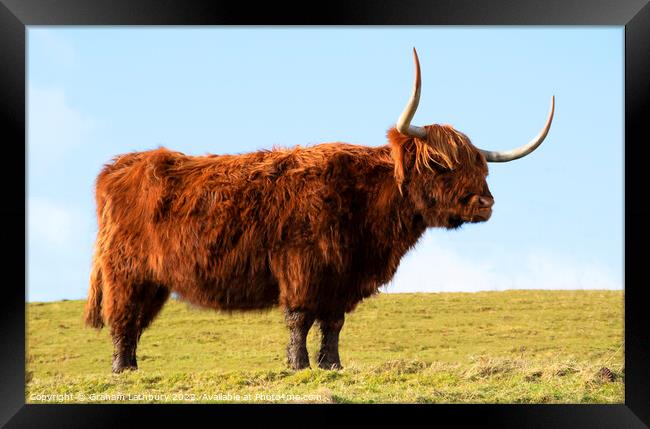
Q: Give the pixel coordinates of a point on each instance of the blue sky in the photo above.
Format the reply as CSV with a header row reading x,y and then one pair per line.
x,y
94,92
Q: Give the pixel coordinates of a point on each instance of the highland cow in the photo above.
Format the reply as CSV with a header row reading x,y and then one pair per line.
x,y
314,230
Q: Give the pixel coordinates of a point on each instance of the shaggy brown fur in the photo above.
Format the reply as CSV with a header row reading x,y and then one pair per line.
x,y
314,230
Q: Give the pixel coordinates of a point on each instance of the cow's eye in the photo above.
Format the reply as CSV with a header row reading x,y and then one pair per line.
x,y
465,198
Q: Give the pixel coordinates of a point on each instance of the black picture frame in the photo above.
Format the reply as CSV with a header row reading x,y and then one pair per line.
x,y
15,15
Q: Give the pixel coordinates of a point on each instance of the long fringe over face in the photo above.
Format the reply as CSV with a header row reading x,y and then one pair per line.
x,y
444,146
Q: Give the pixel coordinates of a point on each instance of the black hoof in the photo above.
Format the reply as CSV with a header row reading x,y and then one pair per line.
x,y
297,359
329,364
299,367
118,369
298,364
121,365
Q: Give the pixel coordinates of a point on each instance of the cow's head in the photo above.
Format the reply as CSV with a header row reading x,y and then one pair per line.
x,y
442,172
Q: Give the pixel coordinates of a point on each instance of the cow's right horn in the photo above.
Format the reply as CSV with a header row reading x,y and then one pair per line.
x,y
510,155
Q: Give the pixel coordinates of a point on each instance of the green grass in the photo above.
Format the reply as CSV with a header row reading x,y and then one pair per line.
x,y
487,347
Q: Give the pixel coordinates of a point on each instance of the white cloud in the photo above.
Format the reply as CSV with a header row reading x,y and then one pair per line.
x,y
433,268
49,222
544,271
60,242
54,128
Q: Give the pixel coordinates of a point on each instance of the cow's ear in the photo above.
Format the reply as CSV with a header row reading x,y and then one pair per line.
x,y
397,152
397,141
479,159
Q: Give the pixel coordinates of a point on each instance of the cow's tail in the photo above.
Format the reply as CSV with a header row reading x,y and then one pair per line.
x,y
93,312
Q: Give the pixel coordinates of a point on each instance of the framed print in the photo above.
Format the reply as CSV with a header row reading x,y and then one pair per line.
x,y
228,210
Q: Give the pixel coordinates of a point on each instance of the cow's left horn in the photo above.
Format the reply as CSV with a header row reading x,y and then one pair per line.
x,y
404,122
509,155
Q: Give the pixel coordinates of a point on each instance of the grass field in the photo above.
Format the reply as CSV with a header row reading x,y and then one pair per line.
x,y
487,347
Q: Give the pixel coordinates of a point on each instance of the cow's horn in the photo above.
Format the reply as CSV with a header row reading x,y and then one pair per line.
x,y
509,155
404,122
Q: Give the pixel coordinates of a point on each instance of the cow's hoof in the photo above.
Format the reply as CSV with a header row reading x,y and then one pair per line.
x,y
330,364
297,359
119,369
120,365
297,366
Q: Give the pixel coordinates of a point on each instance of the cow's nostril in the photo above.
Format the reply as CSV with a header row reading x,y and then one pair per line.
x,y
485,201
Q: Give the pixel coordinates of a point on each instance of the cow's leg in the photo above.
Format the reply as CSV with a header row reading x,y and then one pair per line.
x,y
132,310
121,310
328,355
125,340
152,299
299,323
156,297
